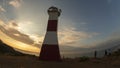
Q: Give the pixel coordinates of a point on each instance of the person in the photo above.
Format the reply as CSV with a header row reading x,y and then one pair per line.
x,y
106,53
95,54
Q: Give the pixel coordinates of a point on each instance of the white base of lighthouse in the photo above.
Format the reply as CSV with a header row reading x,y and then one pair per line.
x,y
50,48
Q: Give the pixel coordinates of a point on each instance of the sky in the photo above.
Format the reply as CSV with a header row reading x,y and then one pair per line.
x,y
84,25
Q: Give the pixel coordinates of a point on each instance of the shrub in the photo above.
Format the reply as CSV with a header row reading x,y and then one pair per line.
x,y
84,58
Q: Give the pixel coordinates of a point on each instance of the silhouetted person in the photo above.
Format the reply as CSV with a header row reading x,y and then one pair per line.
x,y
95,54
106,53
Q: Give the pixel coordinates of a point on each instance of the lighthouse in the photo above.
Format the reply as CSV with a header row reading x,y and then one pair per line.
x,y
50,47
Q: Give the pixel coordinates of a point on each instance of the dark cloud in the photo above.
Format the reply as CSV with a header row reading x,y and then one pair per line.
x,y
15,34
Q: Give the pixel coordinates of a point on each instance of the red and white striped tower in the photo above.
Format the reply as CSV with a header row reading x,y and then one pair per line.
x,y
50,48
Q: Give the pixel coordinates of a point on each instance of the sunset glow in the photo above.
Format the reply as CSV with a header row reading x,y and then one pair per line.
x,y
18,45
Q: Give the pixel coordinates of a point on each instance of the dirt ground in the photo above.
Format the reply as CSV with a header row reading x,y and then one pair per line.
x,y
32,62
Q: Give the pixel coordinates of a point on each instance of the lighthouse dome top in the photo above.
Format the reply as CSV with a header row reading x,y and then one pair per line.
x,y
54,10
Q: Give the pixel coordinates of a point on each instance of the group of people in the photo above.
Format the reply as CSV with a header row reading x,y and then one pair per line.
x,y
106,53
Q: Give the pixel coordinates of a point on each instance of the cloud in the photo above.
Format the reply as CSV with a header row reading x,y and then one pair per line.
x,y
2,9
72,36
1,23
12,24
19,41
17,44
38,39
10,30
111,42
15,3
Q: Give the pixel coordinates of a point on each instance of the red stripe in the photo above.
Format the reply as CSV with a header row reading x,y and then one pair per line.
x,y
50,53
52,25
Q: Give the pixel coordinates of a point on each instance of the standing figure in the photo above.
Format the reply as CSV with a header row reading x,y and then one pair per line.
x,y
106,53
95,54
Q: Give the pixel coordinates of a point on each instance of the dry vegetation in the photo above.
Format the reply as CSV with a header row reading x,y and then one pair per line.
x,y
112,61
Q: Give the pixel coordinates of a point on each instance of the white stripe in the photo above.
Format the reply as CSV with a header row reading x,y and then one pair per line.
x,y
51,38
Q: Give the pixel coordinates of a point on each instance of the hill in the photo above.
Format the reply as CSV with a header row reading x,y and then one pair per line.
x,y
7,50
